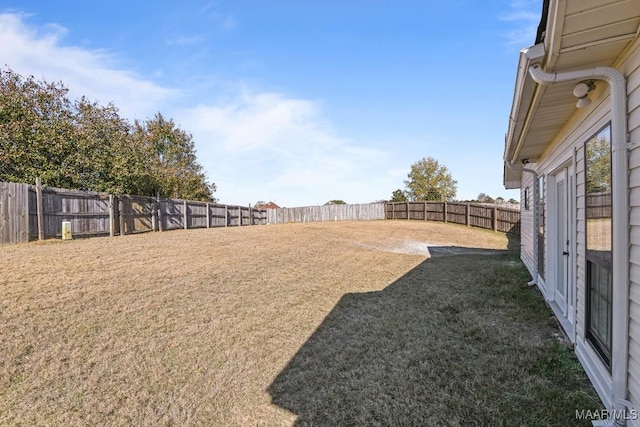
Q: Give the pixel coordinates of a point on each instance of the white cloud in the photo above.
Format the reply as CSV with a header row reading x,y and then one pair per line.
x,y
268,146
41,53
254,145
525,15
256,120
224,21
185,41
227,22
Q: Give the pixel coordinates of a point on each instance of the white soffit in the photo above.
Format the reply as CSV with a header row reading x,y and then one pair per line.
x,y
593,33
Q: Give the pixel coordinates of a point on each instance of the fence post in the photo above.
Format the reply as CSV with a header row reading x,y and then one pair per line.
x,y
112,214
408,210
226,215
468,219
185,217
250,215
495,218
40,209
160,219
393,210
240,216
154,214
121,215
208,216
425,209
444,212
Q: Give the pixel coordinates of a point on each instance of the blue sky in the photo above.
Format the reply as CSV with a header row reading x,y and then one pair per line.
x,y
298,102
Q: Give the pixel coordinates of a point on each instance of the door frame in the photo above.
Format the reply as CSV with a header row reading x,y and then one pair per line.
x,y
564,309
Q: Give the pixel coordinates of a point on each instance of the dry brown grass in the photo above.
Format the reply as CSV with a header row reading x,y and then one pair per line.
x,y
212,327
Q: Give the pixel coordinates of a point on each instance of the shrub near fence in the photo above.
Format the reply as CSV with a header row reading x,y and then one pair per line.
x,y
492,217
30,212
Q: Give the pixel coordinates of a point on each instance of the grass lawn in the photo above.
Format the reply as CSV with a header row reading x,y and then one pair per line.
x,y
341,323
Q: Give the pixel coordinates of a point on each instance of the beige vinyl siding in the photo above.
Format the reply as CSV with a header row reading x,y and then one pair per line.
x,y
632,71
634,331
526,223
580,244
544,273
634,365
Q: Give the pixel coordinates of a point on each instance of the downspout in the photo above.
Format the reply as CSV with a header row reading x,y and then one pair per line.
x,y
620,216
574,248
534,273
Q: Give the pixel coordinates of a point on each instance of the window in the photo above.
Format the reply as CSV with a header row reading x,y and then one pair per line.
x,y
525,198
599,242
541,226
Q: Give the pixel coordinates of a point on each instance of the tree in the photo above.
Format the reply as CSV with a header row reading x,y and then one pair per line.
x,y
105,158
36,123
429,180
598,169
83,145
336,202
399,196
513,201
485,198
174,171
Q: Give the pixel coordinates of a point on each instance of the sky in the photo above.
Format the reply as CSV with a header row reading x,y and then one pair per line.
x,y
291,101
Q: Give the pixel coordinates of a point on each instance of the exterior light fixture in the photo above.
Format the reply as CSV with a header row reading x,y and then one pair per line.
x,y
581,91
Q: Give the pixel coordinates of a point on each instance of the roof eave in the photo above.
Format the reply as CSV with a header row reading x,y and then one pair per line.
x,y
523,98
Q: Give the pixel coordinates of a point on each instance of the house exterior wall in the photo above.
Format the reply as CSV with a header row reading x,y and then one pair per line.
x,y
567,148
526,223
581,246
568,145
631,69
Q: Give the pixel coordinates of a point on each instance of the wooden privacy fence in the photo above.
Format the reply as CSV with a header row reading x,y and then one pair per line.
x,y
30,212
361,212
14,212
492,217
598,205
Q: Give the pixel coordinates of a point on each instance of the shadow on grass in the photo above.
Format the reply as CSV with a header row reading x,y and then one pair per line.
x,y
458,340
513,242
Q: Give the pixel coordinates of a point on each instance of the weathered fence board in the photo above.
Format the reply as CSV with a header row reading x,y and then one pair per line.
x,y
598,205
356,212
87,211
172,214
138,214
100,214
492,217
28,212
14,212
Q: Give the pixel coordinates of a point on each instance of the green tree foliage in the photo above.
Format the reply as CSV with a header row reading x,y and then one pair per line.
x,y
84,145
598,152
429,180
171,160
104,158
336,202
36,123
399,196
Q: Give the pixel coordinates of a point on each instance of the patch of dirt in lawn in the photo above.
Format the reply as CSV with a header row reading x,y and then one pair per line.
x,y
437,239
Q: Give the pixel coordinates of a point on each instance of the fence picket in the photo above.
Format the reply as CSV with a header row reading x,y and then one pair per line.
x,y
356,212
22,218
491,217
